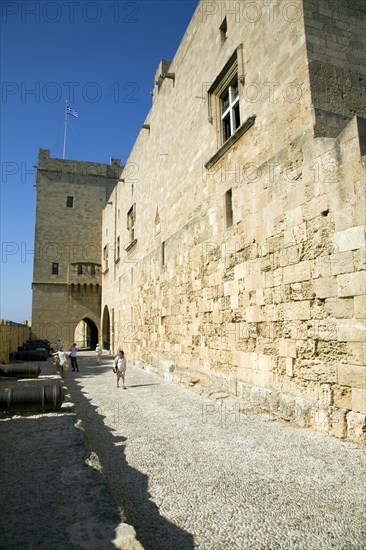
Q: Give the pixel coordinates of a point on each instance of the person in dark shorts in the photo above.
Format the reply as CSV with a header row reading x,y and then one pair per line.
x,y
74,364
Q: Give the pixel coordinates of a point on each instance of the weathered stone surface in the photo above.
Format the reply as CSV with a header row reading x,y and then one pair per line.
x,y
342,397
341,262
241,244
338,423
351,330
340,308
287,348
325,287
360,307
352,284
296,310
12,336
356,427
297,272
359,400
356,353
352,375
349,239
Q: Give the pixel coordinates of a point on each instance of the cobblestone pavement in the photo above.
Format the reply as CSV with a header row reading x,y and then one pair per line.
x,y
189,474
51,493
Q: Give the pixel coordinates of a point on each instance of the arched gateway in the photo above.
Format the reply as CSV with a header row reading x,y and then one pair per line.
x,y
86,334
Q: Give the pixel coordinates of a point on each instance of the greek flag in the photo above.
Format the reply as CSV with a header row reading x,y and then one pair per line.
x,y
72,112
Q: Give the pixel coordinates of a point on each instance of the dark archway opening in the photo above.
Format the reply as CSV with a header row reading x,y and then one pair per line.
x,y
86,334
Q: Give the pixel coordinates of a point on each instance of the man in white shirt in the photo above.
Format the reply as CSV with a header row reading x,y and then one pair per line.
x,y
74,363
119,367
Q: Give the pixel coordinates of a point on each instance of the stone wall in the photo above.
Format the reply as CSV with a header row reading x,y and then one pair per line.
x,y
12,336
336,45
245,273
57,311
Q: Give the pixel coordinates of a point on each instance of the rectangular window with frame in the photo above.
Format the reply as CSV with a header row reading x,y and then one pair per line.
x,y
80,269
230,111
131,218
223,104
70,202
105,257
224,95
55,268
224,100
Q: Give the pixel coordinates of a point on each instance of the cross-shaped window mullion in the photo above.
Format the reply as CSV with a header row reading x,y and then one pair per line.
x,y
230,109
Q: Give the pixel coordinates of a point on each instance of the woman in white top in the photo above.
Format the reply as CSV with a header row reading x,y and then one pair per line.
x,y
63,362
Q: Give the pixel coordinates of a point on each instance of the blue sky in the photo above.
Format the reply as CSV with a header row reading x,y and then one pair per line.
x,y
100,55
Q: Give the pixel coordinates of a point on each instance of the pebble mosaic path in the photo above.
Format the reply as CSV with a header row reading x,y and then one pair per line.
x,y
191,473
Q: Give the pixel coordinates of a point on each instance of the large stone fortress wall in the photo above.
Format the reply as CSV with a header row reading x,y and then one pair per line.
x,y
335,41
70,198
242,266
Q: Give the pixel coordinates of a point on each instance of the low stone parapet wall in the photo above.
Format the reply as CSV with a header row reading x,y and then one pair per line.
x,y
232,397
12,335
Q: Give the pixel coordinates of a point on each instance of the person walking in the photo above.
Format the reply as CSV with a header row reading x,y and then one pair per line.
x,y
64,365
59,344
98,353
119,367
74,364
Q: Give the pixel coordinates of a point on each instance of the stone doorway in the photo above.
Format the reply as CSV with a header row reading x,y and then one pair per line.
x,y
86,334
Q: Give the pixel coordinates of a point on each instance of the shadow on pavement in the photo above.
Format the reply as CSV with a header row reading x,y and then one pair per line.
x,y
128,486
50,497
141,385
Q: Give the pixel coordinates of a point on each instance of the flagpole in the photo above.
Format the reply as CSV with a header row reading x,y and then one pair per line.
x,y
63,153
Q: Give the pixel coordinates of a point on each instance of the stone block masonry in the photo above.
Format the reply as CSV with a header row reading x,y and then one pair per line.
x,y
68,254
12,336
252,281
234,250
296,332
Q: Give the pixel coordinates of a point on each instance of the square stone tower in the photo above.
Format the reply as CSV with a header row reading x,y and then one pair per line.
x,y
67,261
